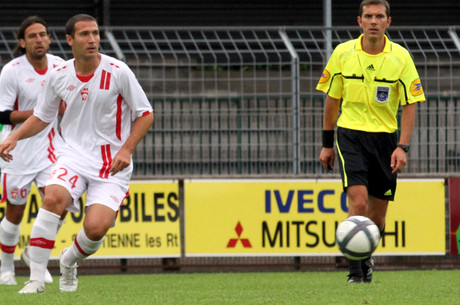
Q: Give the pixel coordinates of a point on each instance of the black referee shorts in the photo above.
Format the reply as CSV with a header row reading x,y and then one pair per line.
x,y
364,159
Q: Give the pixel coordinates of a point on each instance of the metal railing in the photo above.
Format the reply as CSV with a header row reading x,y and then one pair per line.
x,y
241,101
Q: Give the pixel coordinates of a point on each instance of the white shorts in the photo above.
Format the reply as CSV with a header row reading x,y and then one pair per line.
x,y
98,191
16,188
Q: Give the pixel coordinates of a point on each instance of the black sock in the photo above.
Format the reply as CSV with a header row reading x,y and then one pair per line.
x,y
355,268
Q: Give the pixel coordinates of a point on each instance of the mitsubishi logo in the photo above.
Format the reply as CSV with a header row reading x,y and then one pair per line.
x,y
233,241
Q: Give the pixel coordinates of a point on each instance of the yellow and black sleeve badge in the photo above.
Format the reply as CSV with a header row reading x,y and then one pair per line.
x,y
324,77
416,87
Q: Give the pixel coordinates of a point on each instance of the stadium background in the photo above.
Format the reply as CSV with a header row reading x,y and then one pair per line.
x,y
219,12
213,68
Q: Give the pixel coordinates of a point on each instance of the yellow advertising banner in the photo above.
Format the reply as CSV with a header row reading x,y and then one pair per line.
x,y
147,225
300,217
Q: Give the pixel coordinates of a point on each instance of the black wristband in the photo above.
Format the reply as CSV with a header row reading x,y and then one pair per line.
x,y
328,138
5,117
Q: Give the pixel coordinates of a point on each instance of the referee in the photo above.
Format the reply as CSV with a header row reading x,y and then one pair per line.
x,y
367,79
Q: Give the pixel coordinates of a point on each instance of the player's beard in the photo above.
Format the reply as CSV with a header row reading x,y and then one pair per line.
x,y
39,55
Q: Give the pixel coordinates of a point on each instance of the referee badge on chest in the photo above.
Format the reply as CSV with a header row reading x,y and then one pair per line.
x,y
382,94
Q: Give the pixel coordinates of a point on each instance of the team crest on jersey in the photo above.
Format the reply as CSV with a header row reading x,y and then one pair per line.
x,y
382,94
416,87
84,94
324,77
51,175
14,193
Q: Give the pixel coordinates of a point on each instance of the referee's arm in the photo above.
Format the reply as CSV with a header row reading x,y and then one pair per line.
x,y
407,123
331,111
399,157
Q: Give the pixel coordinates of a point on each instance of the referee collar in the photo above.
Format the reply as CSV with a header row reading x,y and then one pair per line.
x,y
359,46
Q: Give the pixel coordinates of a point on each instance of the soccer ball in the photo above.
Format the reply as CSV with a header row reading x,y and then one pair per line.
x,y
357,237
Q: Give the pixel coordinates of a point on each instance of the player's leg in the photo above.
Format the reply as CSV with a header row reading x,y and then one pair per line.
x,y
16,189
10,229
40,181
63,186
103,202
43,235
98,221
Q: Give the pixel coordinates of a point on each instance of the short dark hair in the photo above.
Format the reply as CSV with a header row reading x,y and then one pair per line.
x,y
374,2
20,34
70,25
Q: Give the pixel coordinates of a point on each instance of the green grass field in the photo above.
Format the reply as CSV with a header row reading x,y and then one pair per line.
x,y
388,288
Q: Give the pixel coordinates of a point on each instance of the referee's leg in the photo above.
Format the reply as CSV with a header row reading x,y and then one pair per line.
x,y
357,206
377,211
357,200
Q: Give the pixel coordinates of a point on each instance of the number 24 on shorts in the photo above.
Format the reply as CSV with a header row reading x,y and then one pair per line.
x,y
62,174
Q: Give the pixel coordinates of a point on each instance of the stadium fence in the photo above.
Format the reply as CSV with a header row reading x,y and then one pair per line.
x,y
241,101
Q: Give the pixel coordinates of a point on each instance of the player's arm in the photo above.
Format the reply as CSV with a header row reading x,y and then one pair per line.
x,y
8,96
331,112
20,116
62,108
123,158
399,156
31,127
9,117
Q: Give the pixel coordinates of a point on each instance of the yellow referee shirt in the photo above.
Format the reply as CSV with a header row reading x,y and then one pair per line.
x,y
371,86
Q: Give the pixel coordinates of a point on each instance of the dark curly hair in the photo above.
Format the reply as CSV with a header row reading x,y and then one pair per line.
x,y
20,34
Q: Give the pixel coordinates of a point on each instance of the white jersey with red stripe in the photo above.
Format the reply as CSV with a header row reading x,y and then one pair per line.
x,y
98,116
20,86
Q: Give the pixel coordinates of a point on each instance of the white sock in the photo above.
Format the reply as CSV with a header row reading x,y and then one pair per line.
x,y
9,237
81,248
42,239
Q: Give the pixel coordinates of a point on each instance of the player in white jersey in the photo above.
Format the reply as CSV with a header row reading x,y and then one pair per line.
x,y
102,97
21,81
99,110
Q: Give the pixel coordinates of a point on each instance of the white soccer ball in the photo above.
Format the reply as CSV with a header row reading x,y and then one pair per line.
x,y
357,237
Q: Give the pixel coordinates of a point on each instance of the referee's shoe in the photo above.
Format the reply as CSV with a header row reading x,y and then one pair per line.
x,y
355,279
368,268
361,271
